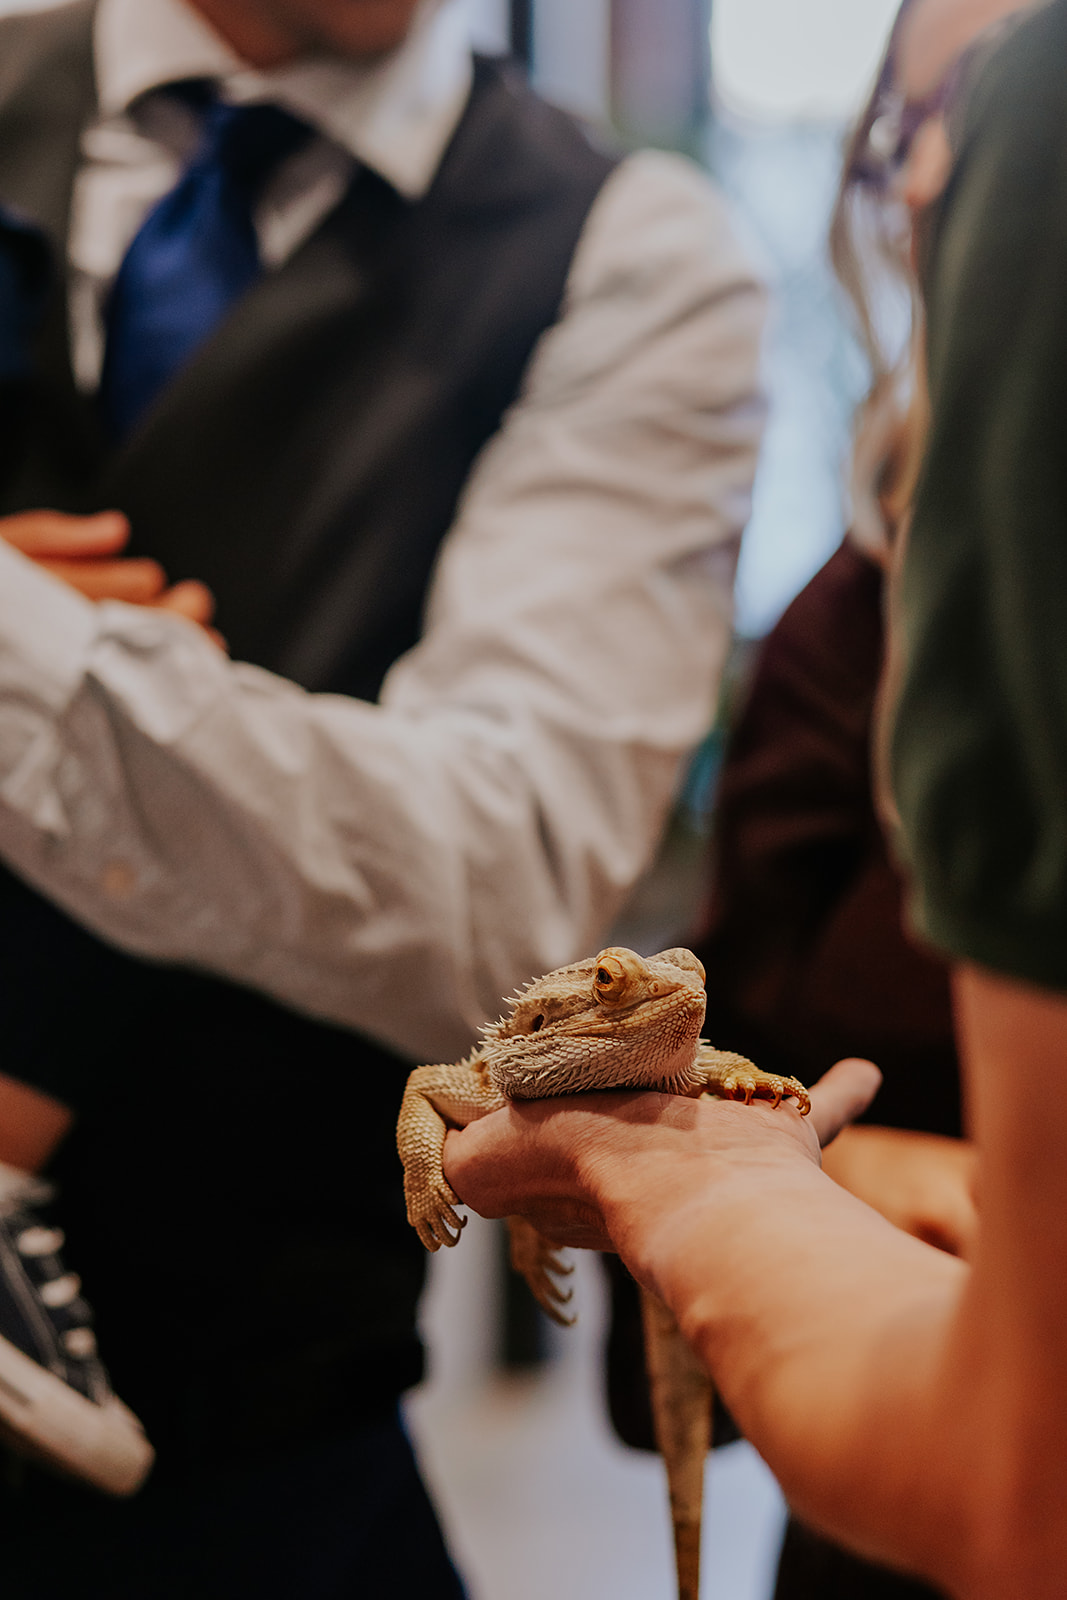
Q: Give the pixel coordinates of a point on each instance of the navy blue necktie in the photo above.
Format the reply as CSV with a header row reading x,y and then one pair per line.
x,y
195,254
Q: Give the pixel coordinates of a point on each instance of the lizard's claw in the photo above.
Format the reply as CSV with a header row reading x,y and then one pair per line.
x,y
755,1085
733,1077
794,1087
434,1217
541,1265
763,1085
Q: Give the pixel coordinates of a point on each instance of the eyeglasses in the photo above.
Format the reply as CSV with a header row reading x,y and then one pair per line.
x,y
895,120
896,125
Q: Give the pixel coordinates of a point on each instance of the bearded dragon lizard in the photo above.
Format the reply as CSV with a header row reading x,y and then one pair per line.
x,y
618,1021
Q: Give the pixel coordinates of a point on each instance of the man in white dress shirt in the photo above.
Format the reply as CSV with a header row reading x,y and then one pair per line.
x,y
465,464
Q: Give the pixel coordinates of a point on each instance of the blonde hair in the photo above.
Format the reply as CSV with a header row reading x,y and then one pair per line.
x,y
868,244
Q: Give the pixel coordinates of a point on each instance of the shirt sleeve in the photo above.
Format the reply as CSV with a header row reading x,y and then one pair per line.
x,y
399,866
979,741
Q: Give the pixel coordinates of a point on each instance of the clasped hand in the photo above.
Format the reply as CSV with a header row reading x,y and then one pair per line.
x,y
86,554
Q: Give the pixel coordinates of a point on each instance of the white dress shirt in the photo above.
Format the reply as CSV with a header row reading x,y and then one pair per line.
x,y
399,866
396,117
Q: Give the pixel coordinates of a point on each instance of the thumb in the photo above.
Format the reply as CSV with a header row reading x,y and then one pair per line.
x,y
841,1095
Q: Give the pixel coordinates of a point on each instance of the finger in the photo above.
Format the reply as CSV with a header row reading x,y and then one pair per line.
x,y
841,1095
190,599
55,533
138,582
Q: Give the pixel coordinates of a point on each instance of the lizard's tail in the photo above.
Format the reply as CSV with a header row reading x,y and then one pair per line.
x,y
681,1414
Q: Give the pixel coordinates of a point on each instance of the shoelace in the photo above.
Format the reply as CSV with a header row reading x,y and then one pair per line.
x,y
42,1245
58,1291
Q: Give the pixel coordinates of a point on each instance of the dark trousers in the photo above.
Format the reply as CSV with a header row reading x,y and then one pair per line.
x,y
343,1520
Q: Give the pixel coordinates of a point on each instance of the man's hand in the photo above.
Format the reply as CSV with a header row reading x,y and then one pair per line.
x,y
919,1181
85,552
568,1164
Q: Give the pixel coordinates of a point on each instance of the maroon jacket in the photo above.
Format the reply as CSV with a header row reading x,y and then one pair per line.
x,y
806,953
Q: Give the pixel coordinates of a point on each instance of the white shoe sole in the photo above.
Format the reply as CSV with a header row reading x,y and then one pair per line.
x,y
47,1419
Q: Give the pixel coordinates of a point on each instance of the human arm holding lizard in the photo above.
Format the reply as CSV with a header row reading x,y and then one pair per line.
x,y
870,1370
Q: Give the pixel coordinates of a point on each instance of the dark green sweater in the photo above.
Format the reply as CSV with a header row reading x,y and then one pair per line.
x,y
978,750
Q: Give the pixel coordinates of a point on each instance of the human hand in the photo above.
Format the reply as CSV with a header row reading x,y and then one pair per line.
x,y
85,552
921,1182
576,1167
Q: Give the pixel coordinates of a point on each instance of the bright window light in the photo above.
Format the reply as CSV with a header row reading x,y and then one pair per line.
x,y
790,60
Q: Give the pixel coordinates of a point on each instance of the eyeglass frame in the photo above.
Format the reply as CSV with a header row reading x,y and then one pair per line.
x,y
902,118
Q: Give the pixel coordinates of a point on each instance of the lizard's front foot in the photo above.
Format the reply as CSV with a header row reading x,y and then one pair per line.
x,y
734,1077
432,1213
540,1265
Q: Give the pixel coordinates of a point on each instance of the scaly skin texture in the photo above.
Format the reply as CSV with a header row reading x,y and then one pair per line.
x,y
618,1021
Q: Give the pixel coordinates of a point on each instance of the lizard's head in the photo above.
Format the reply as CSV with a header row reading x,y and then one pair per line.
x,y
617,1021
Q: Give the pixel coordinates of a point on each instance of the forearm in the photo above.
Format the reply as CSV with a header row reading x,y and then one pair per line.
x,y
823,1326
826,1331
831,1334
358,861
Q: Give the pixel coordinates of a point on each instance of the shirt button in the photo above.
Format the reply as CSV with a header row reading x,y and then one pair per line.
x,y
119,880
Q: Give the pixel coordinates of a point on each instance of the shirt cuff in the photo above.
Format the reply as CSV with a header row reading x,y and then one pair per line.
x,y
46,633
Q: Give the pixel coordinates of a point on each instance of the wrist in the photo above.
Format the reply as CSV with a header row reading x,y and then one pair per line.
x,y
680,1193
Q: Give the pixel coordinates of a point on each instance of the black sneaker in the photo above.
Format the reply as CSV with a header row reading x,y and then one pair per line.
x,y
56,1404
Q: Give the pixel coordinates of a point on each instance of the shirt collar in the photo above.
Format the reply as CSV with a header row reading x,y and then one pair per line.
x,y
396,115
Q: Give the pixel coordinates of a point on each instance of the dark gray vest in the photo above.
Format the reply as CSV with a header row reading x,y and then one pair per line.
x,y
231,1192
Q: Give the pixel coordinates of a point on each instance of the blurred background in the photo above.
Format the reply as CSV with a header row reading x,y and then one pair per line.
x,y
760,91
538,1498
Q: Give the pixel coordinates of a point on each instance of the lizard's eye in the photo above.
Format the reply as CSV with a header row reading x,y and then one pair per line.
x,y
538,1022
615,975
